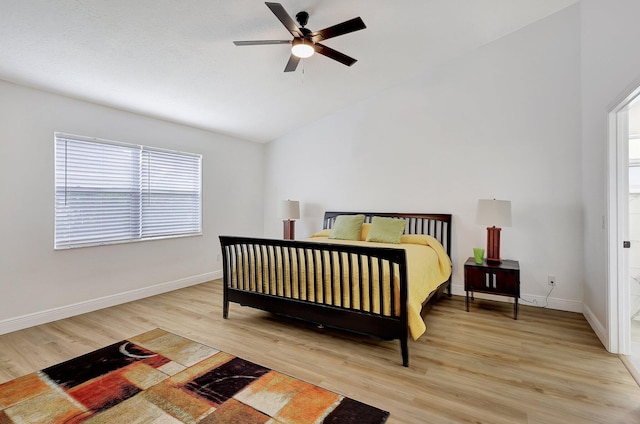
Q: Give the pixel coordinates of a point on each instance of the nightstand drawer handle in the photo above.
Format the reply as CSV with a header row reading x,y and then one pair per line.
x,y
490,280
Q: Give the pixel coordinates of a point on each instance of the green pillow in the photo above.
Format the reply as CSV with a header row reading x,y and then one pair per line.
x,y
386,230
347,227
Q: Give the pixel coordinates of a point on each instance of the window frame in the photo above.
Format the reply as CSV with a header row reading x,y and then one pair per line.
x,y
136,233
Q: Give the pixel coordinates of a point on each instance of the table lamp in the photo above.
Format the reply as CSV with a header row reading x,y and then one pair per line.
x,y
289,212
495,214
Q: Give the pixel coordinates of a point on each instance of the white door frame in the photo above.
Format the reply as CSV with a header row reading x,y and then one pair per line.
x,y
618,219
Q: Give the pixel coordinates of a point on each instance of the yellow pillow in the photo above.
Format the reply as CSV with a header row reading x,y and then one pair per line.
x,y
347,227
386,230
364,232
321,233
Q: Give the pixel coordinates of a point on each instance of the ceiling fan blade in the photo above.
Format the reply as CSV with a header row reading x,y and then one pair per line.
x,y
292,64
335,55
284,17
260,42
345,27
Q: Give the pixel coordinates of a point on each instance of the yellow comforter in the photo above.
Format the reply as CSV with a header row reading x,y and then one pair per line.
x,y
428,266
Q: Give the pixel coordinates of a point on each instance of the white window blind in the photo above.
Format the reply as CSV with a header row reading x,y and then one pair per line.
x,y
109,192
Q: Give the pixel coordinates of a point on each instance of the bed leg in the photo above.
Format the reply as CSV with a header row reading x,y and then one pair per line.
x,y
449,288
404,347
225,304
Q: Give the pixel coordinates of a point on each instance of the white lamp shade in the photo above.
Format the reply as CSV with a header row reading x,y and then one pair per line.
x,y
290,209
494,212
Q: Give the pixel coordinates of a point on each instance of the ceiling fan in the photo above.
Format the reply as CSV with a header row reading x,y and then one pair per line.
x,y
305,43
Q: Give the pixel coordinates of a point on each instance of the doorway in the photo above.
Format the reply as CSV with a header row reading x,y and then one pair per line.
x,y
624,231
633,119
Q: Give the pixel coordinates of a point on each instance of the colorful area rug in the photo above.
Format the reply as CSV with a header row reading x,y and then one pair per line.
x,y
159,377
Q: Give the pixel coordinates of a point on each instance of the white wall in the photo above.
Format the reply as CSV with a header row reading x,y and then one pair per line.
x,y
500,122
610,69
38,284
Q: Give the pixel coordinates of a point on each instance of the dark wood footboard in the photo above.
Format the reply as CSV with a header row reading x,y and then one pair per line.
x,y
333,285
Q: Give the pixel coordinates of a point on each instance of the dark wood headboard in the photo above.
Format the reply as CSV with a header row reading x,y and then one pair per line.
x,y
436,225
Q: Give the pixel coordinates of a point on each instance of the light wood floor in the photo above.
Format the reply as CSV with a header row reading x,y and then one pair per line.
x,y
477,367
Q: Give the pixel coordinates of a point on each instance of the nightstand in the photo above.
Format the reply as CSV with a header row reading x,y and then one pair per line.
x,y
501,278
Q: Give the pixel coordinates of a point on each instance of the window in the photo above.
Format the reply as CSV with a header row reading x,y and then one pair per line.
x,y
109,192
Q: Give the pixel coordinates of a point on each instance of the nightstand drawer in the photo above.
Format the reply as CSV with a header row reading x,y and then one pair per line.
x,y
502,281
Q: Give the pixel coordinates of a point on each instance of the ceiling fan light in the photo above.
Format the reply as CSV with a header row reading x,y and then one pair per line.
x,y
302,49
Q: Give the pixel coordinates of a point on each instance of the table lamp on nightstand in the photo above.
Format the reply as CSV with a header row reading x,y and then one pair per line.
x,y
495,214
289,212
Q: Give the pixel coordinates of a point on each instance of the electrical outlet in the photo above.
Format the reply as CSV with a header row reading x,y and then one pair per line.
x,y
552,281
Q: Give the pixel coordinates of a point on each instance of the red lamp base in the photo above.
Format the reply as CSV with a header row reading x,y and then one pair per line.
x,y
493,244
289,229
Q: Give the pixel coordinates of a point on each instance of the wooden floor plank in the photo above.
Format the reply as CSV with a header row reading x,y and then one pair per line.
x,y
470,367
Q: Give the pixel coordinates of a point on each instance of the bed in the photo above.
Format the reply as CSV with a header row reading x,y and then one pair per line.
x,y
362,284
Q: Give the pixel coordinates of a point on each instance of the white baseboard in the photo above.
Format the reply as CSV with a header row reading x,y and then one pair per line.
x,y
50,315
597,327
528,300
631,367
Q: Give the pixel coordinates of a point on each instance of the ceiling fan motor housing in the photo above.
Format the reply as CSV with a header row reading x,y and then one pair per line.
x,y
306,32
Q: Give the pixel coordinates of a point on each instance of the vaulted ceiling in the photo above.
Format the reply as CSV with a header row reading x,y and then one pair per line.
x,y
175,59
